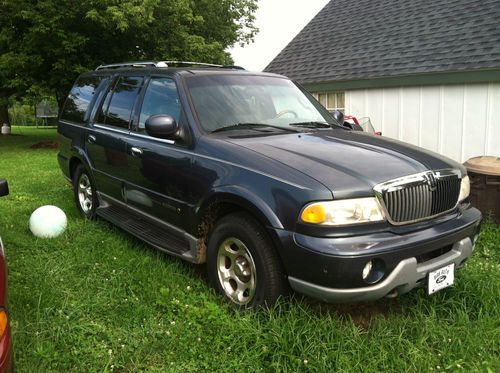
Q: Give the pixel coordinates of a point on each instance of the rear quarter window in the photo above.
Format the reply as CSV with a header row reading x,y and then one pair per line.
x,y
79,99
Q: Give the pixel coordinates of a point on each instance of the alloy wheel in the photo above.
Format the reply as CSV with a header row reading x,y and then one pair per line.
x,y
236,271
85,193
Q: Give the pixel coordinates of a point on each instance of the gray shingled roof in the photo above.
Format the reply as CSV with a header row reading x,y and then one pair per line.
x,y
363,39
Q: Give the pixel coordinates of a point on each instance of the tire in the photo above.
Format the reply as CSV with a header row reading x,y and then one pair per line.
x,y
84,192
243,264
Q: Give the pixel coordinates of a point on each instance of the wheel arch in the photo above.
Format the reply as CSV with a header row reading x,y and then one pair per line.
x,y
242,198
229,199
78,156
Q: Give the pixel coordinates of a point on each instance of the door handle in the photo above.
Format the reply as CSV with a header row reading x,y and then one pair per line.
x,y
136,152
91,139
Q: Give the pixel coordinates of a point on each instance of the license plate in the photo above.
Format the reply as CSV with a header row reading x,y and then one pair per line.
x,y
441,278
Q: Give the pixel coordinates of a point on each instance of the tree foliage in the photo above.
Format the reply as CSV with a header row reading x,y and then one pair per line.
x,y
45,44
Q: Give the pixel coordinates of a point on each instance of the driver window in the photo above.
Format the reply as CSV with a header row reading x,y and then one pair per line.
x,y
160,98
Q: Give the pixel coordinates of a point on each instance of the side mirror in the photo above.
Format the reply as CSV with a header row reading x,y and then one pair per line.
x,y
338,116
4,187
162,126
353,126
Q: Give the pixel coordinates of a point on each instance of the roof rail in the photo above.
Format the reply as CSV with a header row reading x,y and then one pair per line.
x,y
133,64
163,64
191,63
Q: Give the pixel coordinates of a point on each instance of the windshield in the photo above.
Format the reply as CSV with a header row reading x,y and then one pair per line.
x,y
228,100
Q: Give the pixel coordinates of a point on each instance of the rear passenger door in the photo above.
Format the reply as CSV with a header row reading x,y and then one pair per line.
x,y
105,139
157,181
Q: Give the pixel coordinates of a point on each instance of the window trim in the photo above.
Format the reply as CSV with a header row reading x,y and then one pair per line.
x,y
111,89
327,106
135,125
134,122
100,93
87,114
186,141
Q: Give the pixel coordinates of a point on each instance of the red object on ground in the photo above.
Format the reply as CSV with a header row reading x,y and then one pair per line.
x,y
6,357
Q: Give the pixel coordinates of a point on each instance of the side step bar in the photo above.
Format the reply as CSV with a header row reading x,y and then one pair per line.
x,y
153,232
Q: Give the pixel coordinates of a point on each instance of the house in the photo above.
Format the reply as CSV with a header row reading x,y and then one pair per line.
x,y
425,72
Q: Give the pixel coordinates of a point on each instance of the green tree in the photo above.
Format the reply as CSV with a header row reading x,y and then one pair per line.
x,y
45,44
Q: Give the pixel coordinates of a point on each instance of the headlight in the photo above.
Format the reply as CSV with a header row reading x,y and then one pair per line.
x,y
464,188
343,212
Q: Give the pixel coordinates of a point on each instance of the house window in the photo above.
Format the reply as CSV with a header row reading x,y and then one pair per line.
x,y
331,100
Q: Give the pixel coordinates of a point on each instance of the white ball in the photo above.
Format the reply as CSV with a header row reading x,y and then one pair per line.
x,y
48,221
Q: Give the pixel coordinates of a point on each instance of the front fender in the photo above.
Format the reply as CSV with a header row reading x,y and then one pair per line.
x,y
244,198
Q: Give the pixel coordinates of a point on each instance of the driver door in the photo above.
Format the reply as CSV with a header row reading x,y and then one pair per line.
x,y
157,180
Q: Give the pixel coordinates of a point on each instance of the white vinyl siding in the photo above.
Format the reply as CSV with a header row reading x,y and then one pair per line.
x,y
458,121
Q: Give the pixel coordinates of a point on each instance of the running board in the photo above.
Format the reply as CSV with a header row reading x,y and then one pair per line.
x,y
155,233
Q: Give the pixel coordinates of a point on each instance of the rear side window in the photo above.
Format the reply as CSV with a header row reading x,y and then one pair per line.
x,y
79,98
119,103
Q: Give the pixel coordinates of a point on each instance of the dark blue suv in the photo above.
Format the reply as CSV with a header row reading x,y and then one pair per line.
x,y
250,174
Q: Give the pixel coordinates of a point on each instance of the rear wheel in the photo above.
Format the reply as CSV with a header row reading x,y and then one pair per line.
x,y
84,191
242,263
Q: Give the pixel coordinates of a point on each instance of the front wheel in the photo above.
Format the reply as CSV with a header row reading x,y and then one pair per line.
x,y
242,263
84,191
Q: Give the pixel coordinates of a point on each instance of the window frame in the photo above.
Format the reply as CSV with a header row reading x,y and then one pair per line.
x,y
115,79
147,80
90,107
329,107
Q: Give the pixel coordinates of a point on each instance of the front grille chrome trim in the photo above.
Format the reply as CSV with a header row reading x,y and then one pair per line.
x,y
412,189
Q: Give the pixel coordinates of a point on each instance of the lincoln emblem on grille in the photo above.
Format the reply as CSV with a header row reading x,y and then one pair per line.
x,y
430,180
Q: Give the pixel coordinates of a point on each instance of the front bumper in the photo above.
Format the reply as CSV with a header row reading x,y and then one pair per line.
x,y
330,268
407,275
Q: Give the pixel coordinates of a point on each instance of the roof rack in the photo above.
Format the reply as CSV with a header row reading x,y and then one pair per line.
x,y
133,64
191,63
163,64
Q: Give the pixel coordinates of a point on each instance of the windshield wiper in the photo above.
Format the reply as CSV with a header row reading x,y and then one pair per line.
x,y
311,124
252,126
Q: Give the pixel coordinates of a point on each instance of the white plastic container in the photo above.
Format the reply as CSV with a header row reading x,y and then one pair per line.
x,y
5,129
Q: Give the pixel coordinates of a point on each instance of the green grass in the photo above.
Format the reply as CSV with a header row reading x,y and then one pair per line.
x,y
96,299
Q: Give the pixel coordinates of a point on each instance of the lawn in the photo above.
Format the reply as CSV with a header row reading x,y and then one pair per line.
x,y
95,299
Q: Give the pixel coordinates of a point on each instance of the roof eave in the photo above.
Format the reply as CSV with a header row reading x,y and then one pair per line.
x,y
454,77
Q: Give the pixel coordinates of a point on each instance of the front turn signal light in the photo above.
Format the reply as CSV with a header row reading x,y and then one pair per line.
x,y
343,212
314,213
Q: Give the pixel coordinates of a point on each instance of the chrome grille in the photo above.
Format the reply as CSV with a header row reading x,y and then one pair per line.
x,y
420,196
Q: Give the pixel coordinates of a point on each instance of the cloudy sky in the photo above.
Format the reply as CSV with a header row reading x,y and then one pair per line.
x,y
279,21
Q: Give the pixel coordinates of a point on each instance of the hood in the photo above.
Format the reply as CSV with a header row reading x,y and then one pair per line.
x,y
349,163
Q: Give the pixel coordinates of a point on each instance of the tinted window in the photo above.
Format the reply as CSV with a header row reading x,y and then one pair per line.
x,y
119,103
79,98
160,98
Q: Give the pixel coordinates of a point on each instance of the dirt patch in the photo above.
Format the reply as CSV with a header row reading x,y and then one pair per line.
x,y
362,313
45,145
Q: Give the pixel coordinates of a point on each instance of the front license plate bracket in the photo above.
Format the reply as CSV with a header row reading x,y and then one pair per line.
x,y
440,278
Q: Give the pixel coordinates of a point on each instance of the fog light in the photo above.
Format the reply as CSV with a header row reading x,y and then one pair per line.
x,y
367,270
373,271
